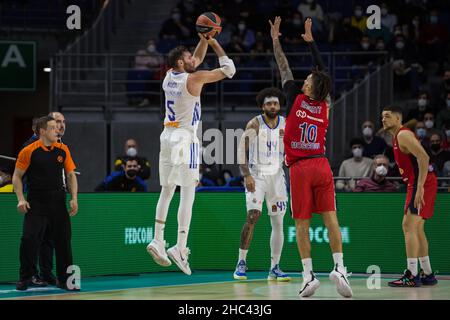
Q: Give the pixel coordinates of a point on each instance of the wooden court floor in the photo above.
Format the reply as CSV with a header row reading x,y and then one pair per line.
x,y
209,285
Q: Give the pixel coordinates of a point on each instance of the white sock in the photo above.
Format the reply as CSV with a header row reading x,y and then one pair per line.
x,y
425,265
276,239
338,259
243,254
412,266
162,208
185,214
307,266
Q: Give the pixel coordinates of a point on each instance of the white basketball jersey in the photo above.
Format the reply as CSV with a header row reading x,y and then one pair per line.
x,y
266,153
183,110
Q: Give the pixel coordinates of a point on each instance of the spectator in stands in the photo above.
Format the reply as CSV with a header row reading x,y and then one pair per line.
x,y
284,9
373,145
247,35
428,120
4,179
359,20
446,174
444,115
377,181
148,64
205,181
236,45
294,29
414,30
407,69
387,19
227,32
131,150
174,28
434,38
126,180
344,33
446,82
446,131
355,167
423,106
421,134
438,156
311,9
365,46
237,10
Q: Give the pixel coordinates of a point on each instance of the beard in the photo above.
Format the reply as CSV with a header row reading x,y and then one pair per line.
x,y
271,114
189,69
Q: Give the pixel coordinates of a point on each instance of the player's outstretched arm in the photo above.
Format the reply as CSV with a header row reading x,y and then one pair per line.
x,y
308,37
200,50
226,64
250,133
280,57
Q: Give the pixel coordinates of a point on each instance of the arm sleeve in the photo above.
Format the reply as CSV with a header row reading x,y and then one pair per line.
x,y
291,90
316,56
69,165
23,159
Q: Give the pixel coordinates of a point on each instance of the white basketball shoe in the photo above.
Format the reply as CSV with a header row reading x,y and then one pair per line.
x,y
180,257
157,249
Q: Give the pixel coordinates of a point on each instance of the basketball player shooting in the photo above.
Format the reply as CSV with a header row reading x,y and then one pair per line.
x,y
413,163
312,187
260,155
179,153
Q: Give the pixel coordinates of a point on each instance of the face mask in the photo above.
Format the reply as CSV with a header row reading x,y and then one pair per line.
x,y
358,13
365,45
176,16
367,132
400,45
384,11
357,152
381,171
131,152
421,132
241,26
433,19
447,133
132,173
422,103
380,46
429,124
435,146
151,48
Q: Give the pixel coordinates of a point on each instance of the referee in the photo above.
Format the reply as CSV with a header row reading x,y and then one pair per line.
x,y
45,207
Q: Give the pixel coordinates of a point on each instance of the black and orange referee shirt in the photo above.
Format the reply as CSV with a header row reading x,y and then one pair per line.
x,y
44,165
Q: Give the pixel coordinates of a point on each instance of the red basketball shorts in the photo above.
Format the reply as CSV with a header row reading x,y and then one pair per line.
x,y
312,188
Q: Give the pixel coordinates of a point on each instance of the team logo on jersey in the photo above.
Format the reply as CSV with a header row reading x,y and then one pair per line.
x,y
300,113
60,159
274,208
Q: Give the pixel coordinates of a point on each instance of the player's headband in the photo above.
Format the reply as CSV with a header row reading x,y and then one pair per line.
x,y
271,99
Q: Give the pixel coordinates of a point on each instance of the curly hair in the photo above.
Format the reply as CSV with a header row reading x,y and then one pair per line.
x,y
269,92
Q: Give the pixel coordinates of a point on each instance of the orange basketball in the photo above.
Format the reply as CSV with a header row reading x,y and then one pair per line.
x,y
208,23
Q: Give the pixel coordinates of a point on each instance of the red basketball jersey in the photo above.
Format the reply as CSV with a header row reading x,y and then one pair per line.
x,y
407,163
306,129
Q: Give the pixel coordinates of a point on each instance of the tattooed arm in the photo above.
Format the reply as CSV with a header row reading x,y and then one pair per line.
x,y
280,57
250,134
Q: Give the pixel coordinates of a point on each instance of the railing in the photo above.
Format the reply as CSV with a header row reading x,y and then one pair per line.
x,y
363,102
101,79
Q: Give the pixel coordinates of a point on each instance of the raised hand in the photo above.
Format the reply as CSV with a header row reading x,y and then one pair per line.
x,y
307,36
275,28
